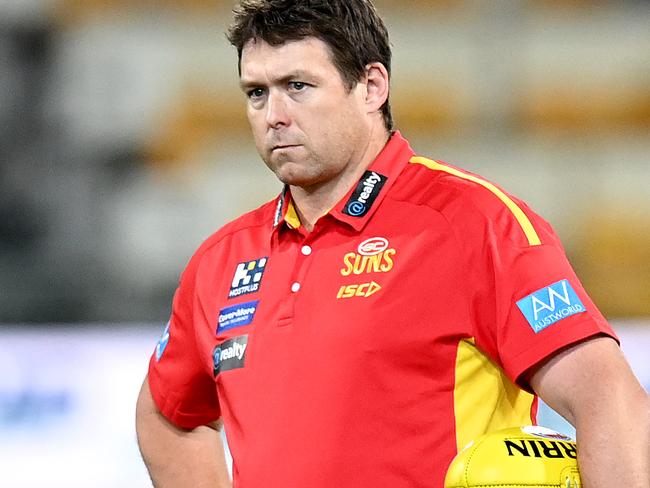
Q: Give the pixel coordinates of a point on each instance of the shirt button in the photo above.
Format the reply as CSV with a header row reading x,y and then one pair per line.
x,y
306,250
295,287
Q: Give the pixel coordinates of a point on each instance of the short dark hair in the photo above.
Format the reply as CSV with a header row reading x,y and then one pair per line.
x,y
353,30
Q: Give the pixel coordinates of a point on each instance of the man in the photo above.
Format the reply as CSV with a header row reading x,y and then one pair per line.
x,y
384,310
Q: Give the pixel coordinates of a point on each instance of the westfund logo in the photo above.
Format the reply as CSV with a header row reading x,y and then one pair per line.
x,y
364,194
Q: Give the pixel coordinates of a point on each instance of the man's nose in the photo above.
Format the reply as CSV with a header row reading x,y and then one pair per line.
x,y
276,110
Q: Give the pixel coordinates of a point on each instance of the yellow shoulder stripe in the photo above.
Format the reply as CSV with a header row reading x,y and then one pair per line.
x,y
522,218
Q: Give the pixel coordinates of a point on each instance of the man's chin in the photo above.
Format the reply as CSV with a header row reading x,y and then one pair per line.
x,y
294,175
295,180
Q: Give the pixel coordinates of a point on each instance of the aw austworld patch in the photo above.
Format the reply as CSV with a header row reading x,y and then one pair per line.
x,y
551,304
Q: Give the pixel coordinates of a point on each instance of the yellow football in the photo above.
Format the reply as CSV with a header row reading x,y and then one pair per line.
x,y
519,457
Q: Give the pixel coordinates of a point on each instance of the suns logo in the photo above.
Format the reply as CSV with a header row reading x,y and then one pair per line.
x,y
373,256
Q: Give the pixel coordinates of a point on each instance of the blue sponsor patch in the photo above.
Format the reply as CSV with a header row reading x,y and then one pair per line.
x,y
162,343
236,316
550,305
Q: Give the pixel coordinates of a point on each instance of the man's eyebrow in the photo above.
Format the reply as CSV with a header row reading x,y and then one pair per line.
x,y
246,84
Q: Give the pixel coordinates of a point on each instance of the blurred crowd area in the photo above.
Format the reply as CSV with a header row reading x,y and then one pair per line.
x,y
123,140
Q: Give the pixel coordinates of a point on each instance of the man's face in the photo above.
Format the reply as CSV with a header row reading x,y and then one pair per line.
x,y
308,127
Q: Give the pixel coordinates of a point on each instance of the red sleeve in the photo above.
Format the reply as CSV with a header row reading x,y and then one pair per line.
x,y
181,384
529,302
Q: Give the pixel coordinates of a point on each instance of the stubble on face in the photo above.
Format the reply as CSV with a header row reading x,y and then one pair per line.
x,y
295,164
306,167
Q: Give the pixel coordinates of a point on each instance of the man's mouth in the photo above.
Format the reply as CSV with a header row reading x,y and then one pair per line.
x,y
284,146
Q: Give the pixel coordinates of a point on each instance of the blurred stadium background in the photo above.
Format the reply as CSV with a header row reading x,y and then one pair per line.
x,y
123,144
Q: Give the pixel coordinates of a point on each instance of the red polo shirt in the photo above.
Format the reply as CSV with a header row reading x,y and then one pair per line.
x,y
368,351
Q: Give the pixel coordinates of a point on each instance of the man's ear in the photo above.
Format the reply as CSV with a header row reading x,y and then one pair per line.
x,y
377,86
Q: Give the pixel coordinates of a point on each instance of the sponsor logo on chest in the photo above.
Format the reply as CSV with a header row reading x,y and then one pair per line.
x,y
230,354
236,316
247,278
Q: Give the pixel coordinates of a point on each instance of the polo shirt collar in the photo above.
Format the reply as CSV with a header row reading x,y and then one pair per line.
x,y
285,212
362,200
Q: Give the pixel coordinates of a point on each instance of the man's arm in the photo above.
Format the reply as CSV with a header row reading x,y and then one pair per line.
x,y
593,387
177,457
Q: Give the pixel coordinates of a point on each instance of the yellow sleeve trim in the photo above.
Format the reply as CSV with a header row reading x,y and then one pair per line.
x,y
524,221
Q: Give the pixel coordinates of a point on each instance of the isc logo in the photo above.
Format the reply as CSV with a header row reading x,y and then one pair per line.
x,y
363,290
550,305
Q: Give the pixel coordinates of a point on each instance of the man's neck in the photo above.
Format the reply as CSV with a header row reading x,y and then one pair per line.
x,y
314,202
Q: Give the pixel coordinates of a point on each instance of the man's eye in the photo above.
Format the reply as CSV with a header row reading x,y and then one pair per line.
x,y
256,93
297,85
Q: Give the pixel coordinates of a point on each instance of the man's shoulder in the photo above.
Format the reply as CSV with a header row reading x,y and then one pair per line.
x,y
259,220
438,184
465,198
256,223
